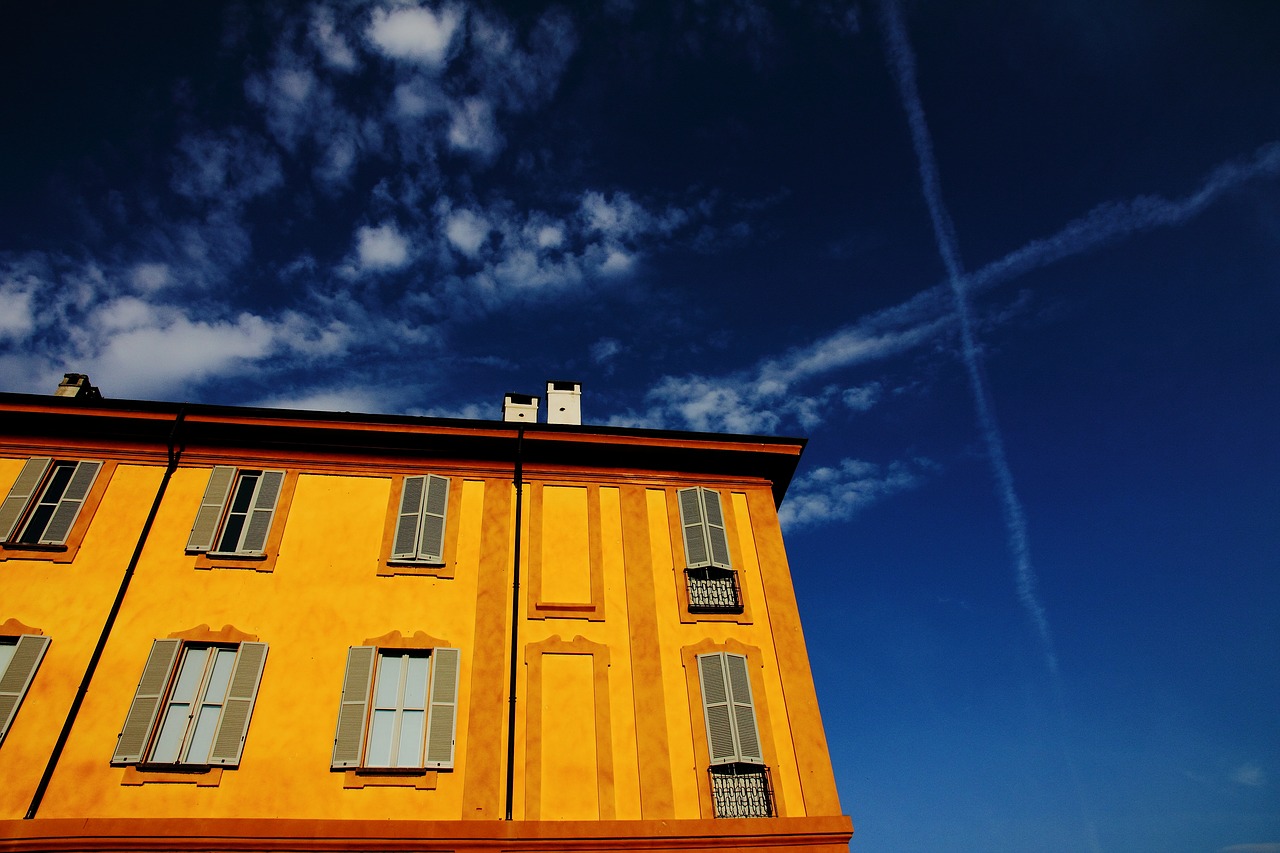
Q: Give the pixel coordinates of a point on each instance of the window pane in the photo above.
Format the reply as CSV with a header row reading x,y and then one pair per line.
x,y
230,540
6,655
170,739
384,695
380,731
244,492
221,677
415,683
202,735
190,675
410,752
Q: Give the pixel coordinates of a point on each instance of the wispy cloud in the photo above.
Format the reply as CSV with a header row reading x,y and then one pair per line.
x,y
1249,775
837,493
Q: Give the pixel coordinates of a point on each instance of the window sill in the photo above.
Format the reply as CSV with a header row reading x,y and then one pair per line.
x,y
392,568
422,780
49,553
202,777
253,562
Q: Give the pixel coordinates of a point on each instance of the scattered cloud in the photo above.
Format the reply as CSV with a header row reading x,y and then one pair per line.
x,y
381,248
836,493
414,34
1249,775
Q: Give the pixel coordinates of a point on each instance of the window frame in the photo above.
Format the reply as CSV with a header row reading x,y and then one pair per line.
x,y
29,648
153,697
217,504
22,500
682,567
353,729
389,564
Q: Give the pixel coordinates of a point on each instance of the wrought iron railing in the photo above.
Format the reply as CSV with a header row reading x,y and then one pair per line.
x,y
742,790
713,590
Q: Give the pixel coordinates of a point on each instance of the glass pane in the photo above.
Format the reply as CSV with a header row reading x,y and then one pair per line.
x,y
244,492
380,730
6,654
221,677
190,675
58,482
410,752
202,735
230,540
415,683
170,739
384,695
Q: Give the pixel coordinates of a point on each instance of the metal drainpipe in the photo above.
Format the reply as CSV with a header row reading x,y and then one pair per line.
x,y
174,454
515,626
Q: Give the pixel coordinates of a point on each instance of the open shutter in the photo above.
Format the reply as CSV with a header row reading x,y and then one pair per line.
x,y
348,740
744,712
16,678
258,527
406,541
716,709
133,737
695,530
717,539
211,506
228,743
59,527
434,510
442,718
20,494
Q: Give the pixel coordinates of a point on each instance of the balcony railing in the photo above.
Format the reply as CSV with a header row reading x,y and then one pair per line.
x,y
742,790
713,591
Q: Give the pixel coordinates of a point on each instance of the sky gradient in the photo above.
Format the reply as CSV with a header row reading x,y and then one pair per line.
x,y
1013,269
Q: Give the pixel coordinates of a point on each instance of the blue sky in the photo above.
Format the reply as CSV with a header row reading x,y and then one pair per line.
x,y
1014,269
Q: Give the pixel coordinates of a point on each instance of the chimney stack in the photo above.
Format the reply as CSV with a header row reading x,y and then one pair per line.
x,y
520,407
564,403
77,385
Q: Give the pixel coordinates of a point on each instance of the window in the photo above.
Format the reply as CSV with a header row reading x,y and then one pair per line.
x,y
192,705
420,521
45,501
19,659
399,709
739,779
711,582
236,512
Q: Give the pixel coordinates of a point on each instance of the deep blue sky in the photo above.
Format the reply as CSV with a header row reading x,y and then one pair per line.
x,y
712,215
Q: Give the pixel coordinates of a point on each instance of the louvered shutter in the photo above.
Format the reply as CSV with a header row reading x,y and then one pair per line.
x,y
744,712
716,536
695,530
20,494
442,718
406,542
716,709
133,737
434,510
348,740
228,743
17,677
211,507
59,526
258,527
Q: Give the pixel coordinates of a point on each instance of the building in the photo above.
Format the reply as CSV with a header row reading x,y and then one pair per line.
x,y
228,628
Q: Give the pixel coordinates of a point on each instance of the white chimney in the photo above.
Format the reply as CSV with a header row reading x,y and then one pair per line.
x,y
520,407
564,403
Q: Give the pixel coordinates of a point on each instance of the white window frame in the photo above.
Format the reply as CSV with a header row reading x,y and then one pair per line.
x,y
421,520
17,672
706,538
728,709
30,493
218,507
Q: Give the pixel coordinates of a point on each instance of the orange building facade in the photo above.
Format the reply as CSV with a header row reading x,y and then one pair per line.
x,y
239,629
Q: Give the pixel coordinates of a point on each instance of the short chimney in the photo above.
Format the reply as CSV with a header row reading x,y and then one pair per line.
x,y
77,385
520,407
564,402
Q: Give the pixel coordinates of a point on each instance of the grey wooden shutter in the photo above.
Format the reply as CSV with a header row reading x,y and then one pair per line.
x,y
228,743
744,712
695,530
20,494
716,709
348,740
434,510
15,680
716,536
136,731
59,526
211,507
442,718
258,527
406,541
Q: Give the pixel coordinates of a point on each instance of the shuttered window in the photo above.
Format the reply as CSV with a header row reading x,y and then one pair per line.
x,y
192,705
45,500
236,512
702,521
398,710
19,659
732,736
424,504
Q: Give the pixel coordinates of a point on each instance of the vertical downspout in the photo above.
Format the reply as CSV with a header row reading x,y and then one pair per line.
x,y
515,627
174,453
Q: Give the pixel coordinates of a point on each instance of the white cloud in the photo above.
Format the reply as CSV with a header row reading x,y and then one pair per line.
x,y
382,248
472,128
1249,775
466,231
414,34
331,44
831,494
228,168
862,398
17,320
617,262
148,278
605,350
